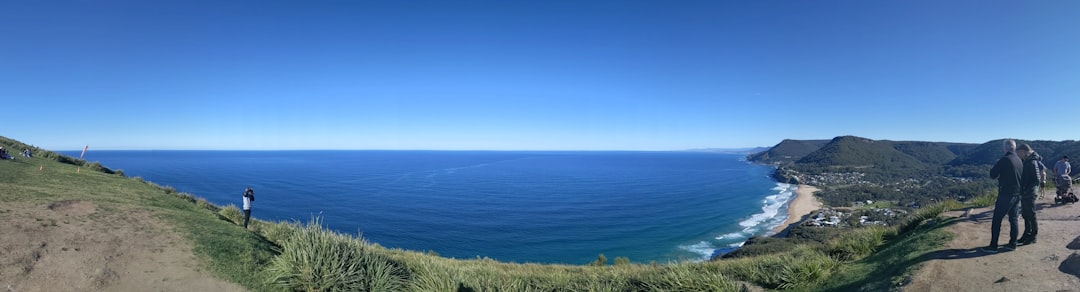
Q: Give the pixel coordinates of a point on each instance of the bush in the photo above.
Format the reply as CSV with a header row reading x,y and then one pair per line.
x,y
96,166
316,259
232,213
202,203
983,201
601,260
68,160
187,197
276,232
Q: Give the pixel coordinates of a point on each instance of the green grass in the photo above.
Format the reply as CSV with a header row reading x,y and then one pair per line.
x,y
289,256
890,266
223,248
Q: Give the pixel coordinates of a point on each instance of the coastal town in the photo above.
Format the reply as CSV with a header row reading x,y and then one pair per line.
x,y
837,217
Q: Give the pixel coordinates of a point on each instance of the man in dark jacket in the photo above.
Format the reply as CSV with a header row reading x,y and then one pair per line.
x,y
1007,171
1030,182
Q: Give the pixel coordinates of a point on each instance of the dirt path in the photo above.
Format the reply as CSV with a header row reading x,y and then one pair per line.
x,y
1052,264
74,246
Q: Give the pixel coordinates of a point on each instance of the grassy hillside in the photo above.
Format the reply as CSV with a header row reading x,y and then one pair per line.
x,y
281,256
225,248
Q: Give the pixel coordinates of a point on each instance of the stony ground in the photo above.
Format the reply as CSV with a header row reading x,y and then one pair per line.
x,y
1051,264
75,246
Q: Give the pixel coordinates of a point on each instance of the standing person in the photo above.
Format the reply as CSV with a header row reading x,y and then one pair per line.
x,y
1062,180
1007,171
249,196
1030,182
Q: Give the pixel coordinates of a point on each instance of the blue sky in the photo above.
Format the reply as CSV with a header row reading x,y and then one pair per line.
x,y
533,75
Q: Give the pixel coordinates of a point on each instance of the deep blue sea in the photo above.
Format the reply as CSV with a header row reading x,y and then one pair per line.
x,y
540,207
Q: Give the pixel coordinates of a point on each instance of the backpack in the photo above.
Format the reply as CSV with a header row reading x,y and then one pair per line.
x,y
1040,169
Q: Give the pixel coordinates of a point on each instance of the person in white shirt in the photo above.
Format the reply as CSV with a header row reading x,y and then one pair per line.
x,y
249,196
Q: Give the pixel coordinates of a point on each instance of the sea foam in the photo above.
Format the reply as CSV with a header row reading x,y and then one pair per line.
x,y
773,214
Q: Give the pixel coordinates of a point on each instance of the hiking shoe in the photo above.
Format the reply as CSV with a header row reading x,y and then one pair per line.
x,y
1028,241
1009,247
989,249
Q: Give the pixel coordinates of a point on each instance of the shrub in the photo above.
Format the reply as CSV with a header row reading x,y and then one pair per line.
x,y
68,160
277,232
119,172
187,197
202,203
316,259
96,166
622,261
983,201
168,190
601,260
232,213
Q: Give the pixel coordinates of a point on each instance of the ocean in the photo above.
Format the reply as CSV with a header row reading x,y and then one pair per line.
x,y
535,207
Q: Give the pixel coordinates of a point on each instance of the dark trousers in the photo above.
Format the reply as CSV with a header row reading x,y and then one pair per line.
x,y
247,215
1027,210
1006,205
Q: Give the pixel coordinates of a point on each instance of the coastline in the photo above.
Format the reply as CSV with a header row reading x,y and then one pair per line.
x,y
803,204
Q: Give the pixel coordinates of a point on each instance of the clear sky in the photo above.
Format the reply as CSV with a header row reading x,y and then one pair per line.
x,y
533,75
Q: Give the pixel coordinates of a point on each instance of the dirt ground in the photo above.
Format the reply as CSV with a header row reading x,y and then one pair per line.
x,y
74,246
1051,264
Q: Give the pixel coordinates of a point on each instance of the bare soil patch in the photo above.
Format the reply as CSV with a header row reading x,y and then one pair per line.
x,y
1052,264
74,246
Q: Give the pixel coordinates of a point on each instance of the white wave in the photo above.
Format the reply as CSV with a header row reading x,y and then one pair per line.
x,y
733,235
704,249
770,210
772,215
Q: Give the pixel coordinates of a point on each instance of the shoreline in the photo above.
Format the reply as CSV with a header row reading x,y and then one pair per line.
x,y
803,204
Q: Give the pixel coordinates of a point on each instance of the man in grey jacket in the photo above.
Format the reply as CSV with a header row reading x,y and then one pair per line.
x,y
1031,180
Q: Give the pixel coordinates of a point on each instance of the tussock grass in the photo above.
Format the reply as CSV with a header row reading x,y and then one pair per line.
x,y
860,242
801,268
983,201
316,259
232,213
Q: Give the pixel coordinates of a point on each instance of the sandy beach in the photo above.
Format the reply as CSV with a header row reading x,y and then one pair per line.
x,y
803,204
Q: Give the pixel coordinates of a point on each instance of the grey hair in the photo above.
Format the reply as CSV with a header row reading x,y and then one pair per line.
x,y
1010,145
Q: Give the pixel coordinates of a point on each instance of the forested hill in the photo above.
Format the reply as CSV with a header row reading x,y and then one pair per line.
x,y
787,151
990,152
853,168
850,152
